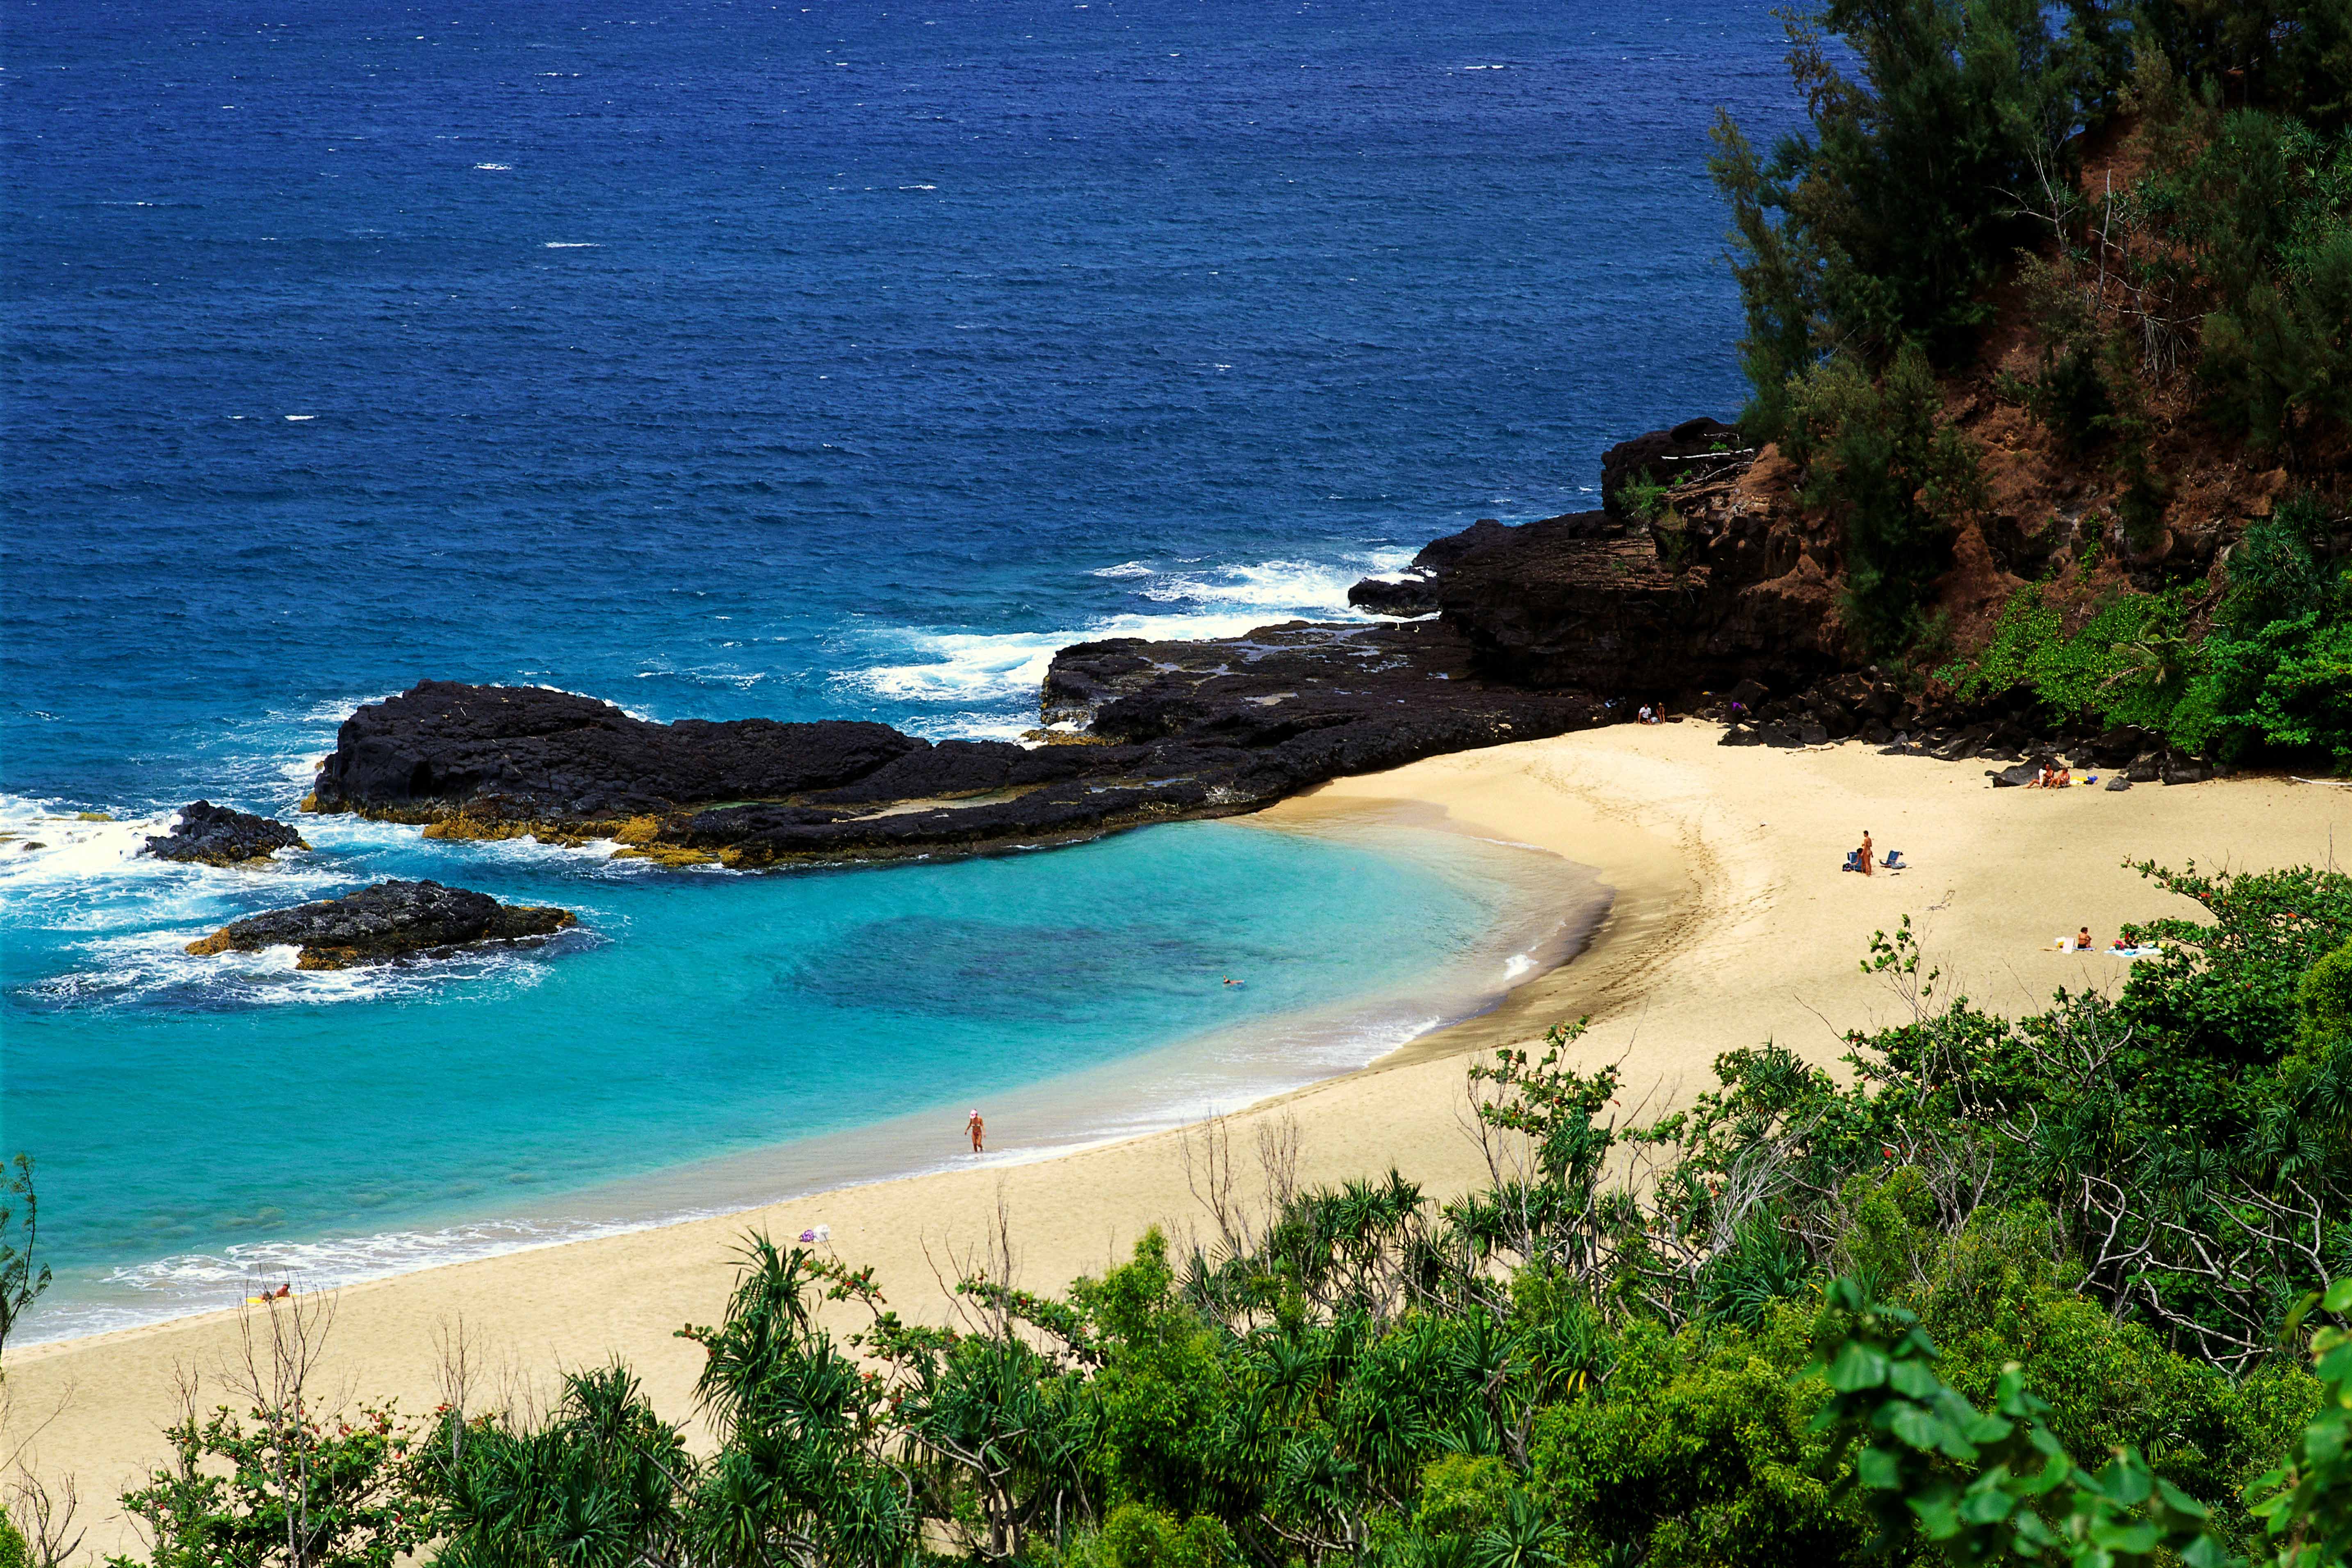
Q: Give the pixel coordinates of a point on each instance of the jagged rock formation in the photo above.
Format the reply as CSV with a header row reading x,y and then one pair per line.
x,y
1413,591
1177,729
1869,705
388,920
1696,449
216,835
1720,584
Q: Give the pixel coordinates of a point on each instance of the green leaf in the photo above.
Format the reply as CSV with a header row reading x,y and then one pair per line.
x,y
1927,1431
1858,1367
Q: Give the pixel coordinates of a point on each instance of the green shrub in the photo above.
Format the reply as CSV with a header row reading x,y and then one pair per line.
x,y
2324,1002
1139,1537
1877,456
1463,1494
1702,1452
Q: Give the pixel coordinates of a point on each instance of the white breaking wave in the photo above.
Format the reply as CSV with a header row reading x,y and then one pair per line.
x,y
200,1281
1204,601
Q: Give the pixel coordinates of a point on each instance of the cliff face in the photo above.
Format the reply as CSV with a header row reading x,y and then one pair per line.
x,y
1731,583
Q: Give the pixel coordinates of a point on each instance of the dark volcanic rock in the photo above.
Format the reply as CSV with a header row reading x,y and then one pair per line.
x,y
1562,603
1696,446
1179,729
388,920
216,836
522,751
1413,591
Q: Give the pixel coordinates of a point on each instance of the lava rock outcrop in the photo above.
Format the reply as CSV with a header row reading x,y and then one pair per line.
x,y
216,836
1712,584
1166,731
557,753
1700,448
389,921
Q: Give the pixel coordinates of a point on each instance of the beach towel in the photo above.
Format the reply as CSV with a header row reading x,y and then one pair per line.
x,y
2144,952
817,1233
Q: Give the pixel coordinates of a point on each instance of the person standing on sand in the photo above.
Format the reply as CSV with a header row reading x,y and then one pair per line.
x,y
1865,851
977,1128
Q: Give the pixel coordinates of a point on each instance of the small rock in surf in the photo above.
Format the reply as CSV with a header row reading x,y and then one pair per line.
x,y
391,920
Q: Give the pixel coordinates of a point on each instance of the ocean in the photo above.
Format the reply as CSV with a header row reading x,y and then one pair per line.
x,y
736,359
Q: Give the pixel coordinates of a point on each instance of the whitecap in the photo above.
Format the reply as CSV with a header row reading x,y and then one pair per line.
x,y
298,418
501,167
972,668
571,244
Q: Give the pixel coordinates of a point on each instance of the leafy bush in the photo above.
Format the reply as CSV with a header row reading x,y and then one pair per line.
x,y
2272,672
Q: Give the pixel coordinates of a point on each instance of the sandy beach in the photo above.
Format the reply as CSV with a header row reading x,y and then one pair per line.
x,y
1732,924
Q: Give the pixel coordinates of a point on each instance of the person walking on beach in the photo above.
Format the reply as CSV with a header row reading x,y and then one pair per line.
x,y
977,1128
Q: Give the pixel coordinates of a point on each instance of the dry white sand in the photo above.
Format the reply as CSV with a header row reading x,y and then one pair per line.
x,y
1733,924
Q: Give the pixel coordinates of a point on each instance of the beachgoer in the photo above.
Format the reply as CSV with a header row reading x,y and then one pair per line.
x,y
2064,779
977,1128
1864,852
1231,981
2083,940
1645,713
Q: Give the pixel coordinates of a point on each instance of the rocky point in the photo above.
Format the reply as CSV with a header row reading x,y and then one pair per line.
x,y
216,835
388,920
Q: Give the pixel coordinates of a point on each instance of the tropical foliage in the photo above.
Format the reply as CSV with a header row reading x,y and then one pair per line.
x,y
1942,161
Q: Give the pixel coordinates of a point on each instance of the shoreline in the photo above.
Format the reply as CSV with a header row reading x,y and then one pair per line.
x,y
1731,925
1153,1087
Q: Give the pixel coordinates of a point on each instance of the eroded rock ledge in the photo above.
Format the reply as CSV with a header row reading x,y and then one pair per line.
x,y
391,920
1171,729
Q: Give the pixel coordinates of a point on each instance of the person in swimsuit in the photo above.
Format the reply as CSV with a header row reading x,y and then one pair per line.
x,y
977,1128
1864,851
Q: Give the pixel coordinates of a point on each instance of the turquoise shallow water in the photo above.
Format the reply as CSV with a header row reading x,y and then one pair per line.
x,y
202,1122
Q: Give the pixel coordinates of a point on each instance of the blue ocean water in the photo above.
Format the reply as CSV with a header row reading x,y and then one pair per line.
x,y
726,359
